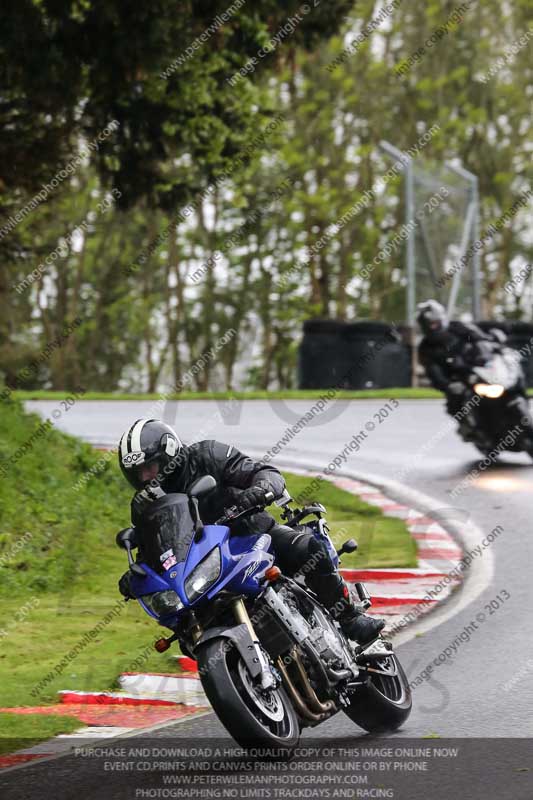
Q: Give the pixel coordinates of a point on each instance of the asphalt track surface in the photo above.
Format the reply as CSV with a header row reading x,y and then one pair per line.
x,y
484,691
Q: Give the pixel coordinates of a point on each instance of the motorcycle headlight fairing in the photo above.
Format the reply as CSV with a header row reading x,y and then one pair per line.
x,y
491,390
203,575
162,603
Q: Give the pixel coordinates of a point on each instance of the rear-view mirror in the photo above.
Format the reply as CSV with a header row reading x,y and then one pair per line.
x,y
127,538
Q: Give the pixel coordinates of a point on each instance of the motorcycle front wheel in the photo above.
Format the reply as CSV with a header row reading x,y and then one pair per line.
x,y
385,703
254,718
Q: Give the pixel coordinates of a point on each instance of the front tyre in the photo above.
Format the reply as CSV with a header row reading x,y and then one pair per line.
x,y
485,450
384,704
527,444
252,717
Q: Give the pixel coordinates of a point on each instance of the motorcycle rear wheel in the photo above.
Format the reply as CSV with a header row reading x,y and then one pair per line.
x,y
385,703
253,718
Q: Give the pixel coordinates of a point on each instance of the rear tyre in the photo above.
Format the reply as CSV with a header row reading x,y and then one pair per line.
x,y
385,703
253,718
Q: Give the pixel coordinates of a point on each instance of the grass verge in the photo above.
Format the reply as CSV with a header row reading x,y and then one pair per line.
x,y
407,393
21,731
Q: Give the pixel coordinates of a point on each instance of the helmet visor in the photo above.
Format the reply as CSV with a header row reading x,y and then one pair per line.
x,y
141,474
147,472
435,324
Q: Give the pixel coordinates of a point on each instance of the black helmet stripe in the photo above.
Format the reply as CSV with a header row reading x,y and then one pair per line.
x,y
124,442
128,439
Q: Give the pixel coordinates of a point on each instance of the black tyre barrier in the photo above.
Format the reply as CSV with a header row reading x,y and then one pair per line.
x,y
353,355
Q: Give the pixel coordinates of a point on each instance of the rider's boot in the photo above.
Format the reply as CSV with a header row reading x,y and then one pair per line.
x,y
334,593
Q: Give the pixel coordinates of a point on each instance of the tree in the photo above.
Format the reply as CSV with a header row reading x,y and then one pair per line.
x,y
163,74
277,240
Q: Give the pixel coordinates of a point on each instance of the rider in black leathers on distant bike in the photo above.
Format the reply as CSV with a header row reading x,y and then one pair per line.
x,y
448,349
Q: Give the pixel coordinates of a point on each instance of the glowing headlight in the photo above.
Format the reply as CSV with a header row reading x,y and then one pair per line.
x,y
162,603
492,390
204,575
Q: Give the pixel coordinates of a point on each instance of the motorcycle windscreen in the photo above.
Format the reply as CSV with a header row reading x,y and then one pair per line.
x,y
503,369
166,531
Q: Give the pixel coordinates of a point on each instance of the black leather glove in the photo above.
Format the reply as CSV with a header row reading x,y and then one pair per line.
x,y
254,496
456,388
124,586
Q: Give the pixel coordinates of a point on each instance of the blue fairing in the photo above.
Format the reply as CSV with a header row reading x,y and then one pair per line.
x,y
319,530
244,560
330,546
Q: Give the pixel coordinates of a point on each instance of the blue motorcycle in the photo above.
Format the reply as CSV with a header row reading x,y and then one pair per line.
x,y
272,660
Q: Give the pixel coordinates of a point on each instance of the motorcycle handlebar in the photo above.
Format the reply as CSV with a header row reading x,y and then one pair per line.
x,y
233,514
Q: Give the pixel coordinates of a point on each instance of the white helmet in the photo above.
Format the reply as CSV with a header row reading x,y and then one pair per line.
x,y
432,317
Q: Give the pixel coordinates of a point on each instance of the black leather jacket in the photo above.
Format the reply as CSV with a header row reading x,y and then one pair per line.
x,y
233,472
447,355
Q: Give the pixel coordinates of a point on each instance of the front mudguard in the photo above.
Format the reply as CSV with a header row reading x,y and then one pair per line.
x,y
239,635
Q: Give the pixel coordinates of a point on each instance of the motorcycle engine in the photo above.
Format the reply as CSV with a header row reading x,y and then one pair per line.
x,y
328,646
318,629
326,640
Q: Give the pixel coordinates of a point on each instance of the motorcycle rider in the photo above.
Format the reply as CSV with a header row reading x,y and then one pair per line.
x,y
155,462
448,348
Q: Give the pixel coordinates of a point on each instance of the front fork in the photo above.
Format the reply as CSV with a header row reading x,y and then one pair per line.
x,y
266,678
